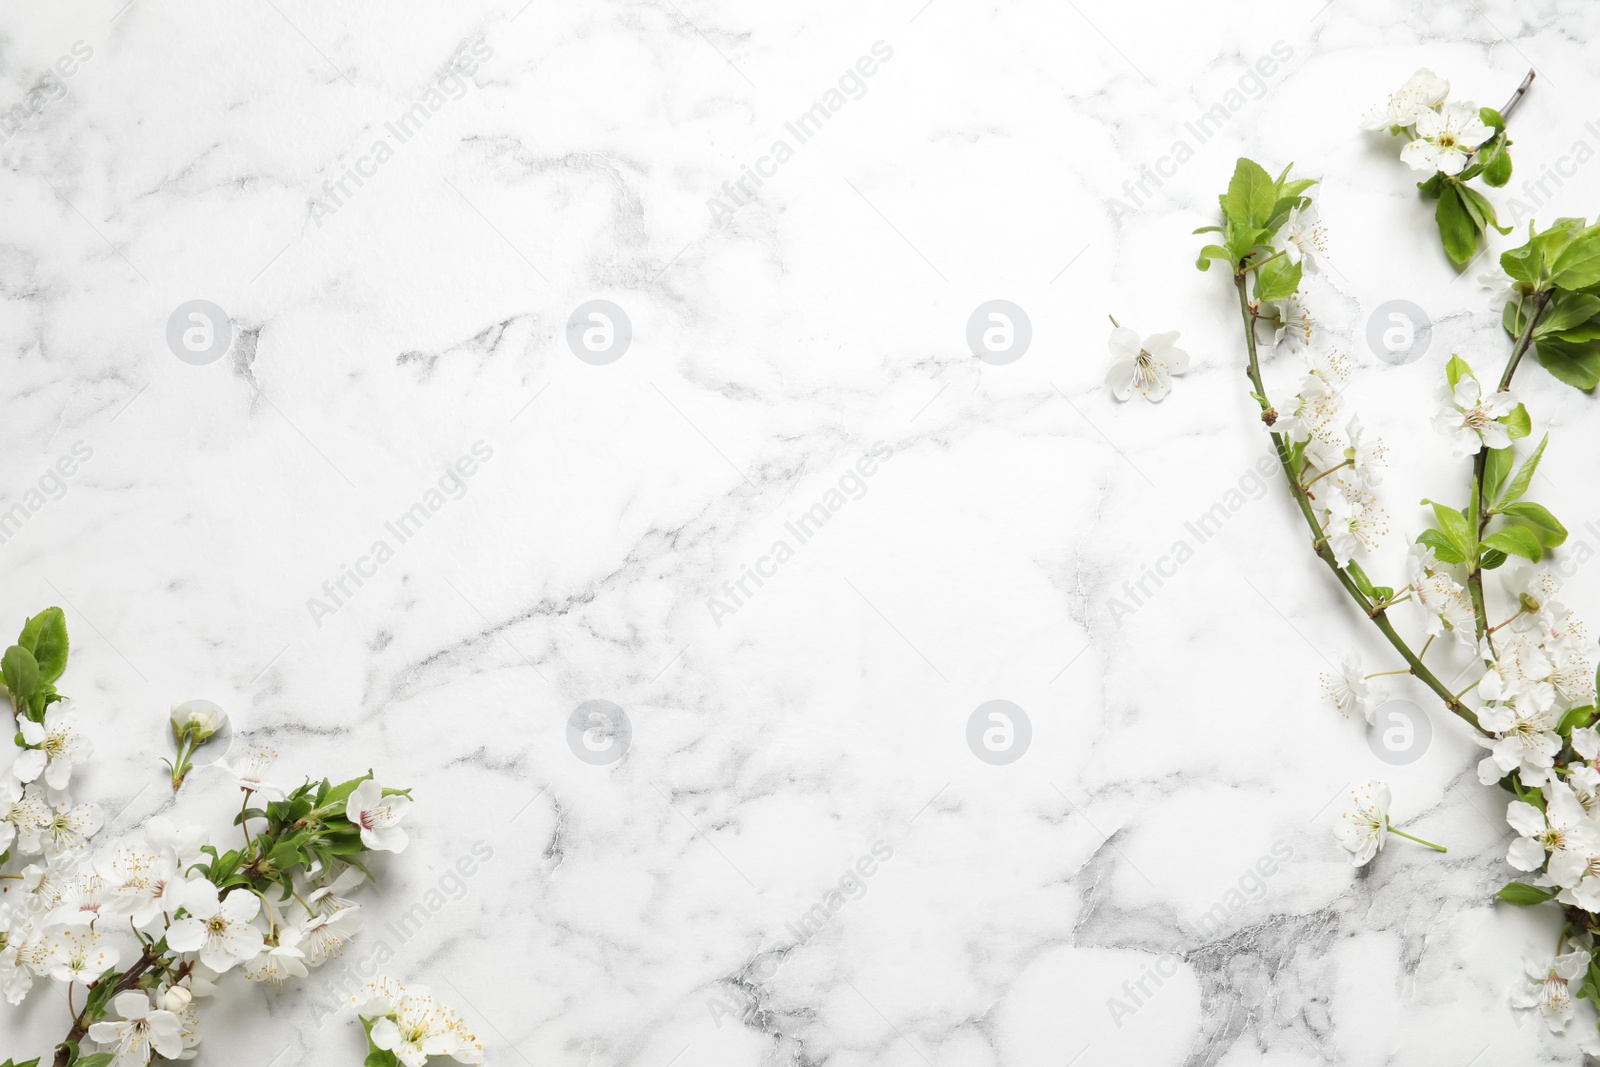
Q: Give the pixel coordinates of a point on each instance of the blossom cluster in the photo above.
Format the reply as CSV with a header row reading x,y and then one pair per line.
x,y
1453,142
407,1025
1531,700
1441,135
139,931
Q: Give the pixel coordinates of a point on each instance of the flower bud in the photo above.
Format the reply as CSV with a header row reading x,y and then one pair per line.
x,y
174,999
197,719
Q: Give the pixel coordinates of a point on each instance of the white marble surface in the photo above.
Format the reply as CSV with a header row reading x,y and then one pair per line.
x,y
637,913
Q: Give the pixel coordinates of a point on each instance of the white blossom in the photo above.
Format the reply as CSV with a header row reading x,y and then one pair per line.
x,y
218,928
24,816
281,959
1363,828
1146,367
251,773
1349,689
1524,740
1304,240
1562,830
1422,92
79,956
143,1029
378,816
57,746
1446,139
1549,987
1469,417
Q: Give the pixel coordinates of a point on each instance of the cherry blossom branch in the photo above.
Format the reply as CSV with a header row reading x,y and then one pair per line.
x,y
1516,97
1319,539
1480,608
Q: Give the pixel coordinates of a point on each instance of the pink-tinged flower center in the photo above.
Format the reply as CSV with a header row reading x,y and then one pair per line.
x,y
367,820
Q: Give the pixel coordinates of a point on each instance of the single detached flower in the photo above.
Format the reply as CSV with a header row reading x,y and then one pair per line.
x,y
1363,828
1549,986
1147,367
378,816
1349,688
142,1030
1446,139
219,929
1422,92
55,746
1470,418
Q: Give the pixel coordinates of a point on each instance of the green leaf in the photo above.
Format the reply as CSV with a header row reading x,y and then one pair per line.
x,y
1491,559
1575,719
1516,541
1524,478
1577,265
1251,195
45,635
1497,166
20,671
1575,362
1442,546
1457,369
1241,239
1481,210
1208,253
1277,280
1457,228
1522,894
1548,528
1208,229
1517,423
1566,311
1456,528
1495,469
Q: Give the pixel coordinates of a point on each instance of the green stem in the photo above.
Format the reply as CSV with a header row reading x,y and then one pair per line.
x,y
1327,472
1480,610
1319,538
1393,829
